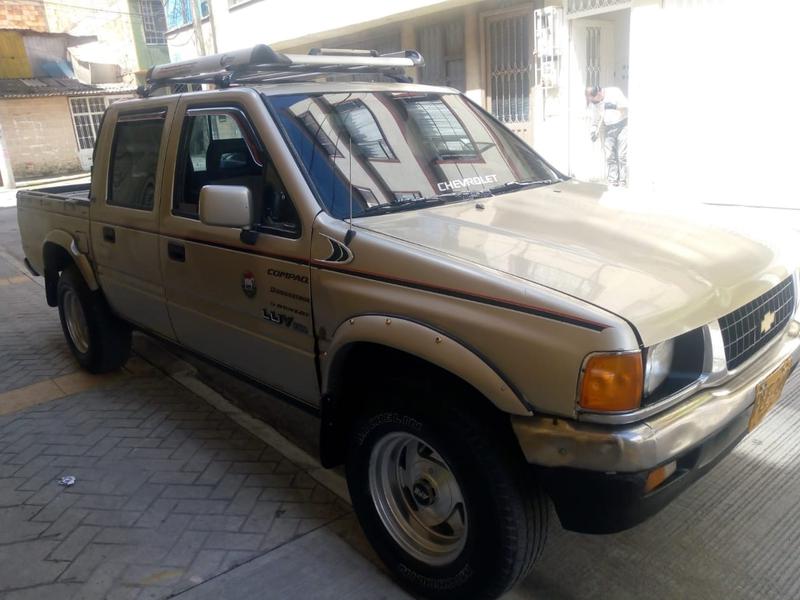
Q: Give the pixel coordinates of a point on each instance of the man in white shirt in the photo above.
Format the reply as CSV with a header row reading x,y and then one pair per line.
x,y
611,110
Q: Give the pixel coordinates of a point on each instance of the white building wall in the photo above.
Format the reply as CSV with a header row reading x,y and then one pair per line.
x,y
713,95
286,24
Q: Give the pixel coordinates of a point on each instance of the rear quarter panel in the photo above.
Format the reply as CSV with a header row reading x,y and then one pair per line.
x,y
39,214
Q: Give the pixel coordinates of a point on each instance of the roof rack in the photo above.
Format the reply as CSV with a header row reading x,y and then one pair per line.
x,y
263,64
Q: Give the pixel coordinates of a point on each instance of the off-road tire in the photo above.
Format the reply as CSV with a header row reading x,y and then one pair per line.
x,y
108,338
507,512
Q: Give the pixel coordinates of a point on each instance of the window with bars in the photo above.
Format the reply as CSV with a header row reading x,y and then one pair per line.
x,y
154,22
441,129
179,12
442,45
592,57
364,130
509,46
86,115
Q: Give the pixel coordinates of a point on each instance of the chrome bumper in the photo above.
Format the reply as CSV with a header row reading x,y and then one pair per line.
x,y
640,446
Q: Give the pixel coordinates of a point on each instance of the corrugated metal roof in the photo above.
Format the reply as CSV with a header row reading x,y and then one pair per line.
x,y
57,86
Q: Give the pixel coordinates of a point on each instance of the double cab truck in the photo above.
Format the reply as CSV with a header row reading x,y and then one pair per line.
x,y
479,335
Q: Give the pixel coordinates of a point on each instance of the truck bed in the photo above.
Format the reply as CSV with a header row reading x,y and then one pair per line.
x,y
75,192
47,211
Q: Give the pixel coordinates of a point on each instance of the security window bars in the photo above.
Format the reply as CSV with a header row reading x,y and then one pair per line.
x,y
583,8
179,12
364,130
442,45
154,22
509,43
440,128
592,57
86,115
322,138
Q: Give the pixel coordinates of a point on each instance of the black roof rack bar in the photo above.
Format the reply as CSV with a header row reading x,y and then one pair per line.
x,y
261,63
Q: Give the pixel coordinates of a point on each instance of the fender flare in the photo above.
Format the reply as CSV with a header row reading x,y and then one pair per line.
x,y
61,238
430,345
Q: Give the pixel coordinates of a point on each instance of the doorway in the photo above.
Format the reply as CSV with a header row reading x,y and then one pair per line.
x,y
599,51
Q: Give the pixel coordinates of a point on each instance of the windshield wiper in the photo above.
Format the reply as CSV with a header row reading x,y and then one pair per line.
x,y
438,200
513,186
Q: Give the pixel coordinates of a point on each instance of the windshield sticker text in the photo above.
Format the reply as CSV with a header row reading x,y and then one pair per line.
x,y
455,184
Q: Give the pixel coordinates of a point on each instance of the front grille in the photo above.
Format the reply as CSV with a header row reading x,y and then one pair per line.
x,y
742,329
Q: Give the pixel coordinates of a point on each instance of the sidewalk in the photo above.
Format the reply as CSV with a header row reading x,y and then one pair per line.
x,y
170,491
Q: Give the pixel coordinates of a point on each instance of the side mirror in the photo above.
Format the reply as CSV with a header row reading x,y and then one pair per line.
x,y
226,206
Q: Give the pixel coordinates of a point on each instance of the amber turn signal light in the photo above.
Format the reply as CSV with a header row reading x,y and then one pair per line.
x,y
658,476
612,382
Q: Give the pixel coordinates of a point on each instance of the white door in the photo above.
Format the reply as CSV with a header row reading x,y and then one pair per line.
x,y
591,63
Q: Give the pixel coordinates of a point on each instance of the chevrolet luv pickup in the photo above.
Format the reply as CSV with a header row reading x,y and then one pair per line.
x,y
480,335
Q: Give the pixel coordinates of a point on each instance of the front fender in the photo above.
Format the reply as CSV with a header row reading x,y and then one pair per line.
x,y
61,238
428,344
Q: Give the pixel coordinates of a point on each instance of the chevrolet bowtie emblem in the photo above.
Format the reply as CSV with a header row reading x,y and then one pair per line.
x,y
767,321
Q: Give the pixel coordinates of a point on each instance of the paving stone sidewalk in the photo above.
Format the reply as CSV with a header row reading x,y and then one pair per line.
x,y
169,492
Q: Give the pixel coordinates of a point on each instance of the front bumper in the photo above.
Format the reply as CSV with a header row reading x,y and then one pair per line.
x,y
596,474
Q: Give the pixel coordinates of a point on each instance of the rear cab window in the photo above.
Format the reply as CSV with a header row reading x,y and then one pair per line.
x,y
134,160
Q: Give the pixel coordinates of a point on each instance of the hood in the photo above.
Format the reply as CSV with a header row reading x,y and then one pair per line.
x,y
666,270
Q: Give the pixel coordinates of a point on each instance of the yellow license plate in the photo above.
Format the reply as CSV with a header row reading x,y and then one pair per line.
x,y
768,392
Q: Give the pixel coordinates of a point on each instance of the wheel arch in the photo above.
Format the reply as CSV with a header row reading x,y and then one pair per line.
x,y
59,251
416,346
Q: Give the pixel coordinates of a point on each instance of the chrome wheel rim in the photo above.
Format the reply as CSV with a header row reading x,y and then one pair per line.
x,y
418,498
76,322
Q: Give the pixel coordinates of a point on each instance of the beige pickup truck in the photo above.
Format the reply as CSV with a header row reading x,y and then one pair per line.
x,y
479,335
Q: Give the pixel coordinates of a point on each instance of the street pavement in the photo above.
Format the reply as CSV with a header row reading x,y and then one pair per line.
x,y
180,493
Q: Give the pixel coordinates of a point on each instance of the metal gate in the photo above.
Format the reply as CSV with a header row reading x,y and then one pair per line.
x,y
509,52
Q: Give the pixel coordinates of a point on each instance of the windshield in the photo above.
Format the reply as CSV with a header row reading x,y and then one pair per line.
x,y
403,150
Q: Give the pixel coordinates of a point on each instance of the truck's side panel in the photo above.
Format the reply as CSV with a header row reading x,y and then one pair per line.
x,y
126,195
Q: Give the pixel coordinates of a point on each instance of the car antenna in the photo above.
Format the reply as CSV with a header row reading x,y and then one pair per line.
x,y
348,237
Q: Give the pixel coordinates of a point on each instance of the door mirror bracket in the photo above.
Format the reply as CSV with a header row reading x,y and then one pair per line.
x,y
248,236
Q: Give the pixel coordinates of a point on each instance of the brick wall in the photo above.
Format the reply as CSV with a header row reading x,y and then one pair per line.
x,y
23,15
39,136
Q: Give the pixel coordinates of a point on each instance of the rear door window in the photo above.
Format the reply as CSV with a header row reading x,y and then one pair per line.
x,y
134,161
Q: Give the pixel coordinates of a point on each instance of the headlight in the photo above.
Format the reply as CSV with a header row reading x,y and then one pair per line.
x,y
658,365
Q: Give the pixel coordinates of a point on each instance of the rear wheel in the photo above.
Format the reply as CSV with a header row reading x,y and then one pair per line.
x,y
445,501
100,341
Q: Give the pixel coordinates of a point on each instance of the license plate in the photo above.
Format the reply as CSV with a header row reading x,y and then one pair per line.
x,y
768,392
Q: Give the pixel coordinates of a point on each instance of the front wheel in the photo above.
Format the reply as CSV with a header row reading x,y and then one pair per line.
x,y
445,502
